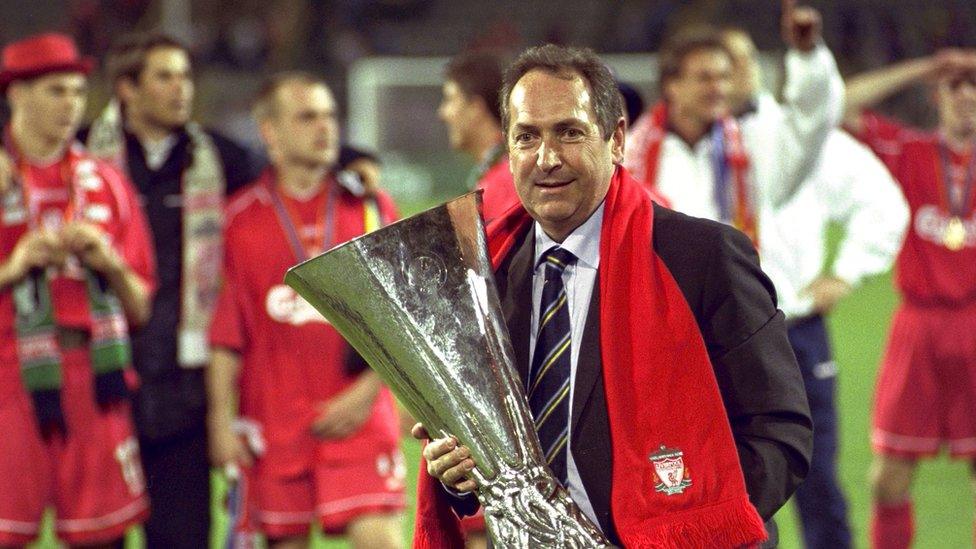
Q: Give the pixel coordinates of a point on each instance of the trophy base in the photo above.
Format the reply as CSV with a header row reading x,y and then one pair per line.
x,y
528,508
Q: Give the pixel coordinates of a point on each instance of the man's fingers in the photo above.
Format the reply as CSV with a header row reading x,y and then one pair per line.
x,y
786,20
419,432
466,486
437,448
788,6
458,473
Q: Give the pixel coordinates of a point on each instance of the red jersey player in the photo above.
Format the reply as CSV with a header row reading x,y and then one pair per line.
x,y
76,267
330,430
927,384
469,109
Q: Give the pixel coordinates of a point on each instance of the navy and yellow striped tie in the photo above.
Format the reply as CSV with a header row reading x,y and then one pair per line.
x,y
548,386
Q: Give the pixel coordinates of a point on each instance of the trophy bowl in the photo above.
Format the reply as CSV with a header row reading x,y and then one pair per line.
x,y
417,300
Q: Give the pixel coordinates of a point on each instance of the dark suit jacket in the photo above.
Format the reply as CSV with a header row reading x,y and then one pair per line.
x,y
734,303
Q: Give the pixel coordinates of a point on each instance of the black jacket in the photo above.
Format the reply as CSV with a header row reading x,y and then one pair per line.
x,y
171,400
734,303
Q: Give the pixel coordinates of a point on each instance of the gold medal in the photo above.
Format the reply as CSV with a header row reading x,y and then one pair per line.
x,y
954,236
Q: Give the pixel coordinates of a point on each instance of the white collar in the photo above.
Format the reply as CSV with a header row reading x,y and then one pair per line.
x,y
157,150
583,242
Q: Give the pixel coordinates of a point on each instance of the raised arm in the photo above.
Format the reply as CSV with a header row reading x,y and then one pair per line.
x,y
867,89
813,98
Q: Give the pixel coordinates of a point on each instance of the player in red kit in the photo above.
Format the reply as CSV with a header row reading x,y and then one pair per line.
x,y
927,384
76,268
330,430
469,109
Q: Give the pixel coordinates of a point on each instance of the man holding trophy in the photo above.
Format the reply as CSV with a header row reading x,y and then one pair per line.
x,y
657,368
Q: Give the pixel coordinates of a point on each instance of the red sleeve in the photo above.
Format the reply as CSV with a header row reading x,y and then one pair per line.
x,y
499,194
134,240
885,136
227,326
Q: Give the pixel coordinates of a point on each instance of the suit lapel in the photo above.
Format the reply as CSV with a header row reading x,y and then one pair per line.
x,y
515,289
589,363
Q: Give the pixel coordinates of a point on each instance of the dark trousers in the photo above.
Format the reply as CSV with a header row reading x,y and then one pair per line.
x,y
822,507
178,481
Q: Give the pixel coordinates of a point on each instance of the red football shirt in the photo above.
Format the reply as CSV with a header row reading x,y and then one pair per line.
x,y
499,190
291,358
927,271
113,206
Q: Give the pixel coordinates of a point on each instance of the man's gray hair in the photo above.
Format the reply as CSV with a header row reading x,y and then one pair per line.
x,y
568,62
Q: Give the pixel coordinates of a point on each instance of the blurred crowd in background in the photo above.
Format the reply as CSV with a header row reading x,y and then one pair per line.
x,y
243,39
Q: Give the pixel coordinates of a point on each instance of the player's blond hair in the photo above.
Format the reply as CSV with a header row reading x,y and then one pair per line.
x,y
266,105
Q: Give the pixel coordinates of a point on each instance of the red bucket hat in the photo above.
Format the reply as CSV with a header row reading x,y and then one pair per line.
x,y
39,55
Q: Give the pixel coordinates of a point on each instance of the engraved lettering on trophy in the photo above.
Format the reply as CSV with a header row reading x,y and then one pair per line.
x,y
426,273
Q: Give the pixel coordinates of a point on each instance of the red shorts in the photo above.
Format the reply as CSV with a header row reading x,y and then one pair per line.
x,y
92,476
927,386
334,492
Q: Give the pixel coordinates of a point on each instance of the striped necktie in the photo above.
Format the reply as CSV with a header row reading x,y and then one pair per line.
x,y
548,386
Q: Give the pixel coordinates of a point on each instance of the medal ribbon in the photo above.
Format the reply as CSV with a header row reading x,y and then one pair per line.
x,y
290,222
949,183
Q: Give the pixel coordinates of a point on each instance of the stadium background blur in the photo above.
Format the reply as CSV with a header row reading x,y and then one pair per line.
x,y
383,59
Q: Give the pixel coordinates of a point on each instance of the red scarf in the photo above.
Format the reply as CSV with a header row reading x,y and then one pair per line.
x,y
661,392
646,138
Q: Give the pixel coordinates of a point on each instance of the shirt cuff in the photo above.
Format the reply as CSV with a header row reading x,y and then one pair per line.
x,y
455,493
848,273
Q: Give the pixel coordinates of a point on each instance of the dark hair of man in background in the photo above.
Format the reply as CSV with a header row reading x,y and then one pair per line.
x,y
127,57
478,74
677,48
569,62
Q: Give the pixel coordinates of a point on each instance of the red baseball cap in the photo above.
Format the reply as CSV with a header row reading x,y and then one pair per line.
x,y
39,55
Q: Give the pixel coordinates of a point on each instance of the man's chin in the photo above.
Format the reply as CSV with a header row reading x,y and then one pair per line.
x,y
318,162
173,123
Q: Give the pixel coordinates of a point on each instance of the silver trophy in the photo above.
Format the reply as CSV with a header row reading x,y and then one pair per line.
x,y
417,299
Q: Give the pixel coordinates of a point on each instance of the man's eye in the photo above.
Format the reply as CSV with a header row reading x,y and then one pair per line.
x,y
573,133
523,138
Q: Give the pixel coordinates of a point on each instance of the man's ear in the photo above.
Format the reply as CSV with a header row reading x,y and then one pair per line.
x,y
484,107
669,90
617,140
268,134
125,88
16,91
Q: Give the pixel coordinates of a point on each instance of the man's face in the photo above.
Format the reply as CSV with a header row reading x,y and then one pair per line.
x,y
956,98
745,68
701,90
561,164
163,93
304,129
52,105
458,111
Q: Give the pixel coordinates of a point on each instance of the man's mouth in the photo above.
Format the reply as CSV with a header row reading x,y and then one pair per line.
x,y
552,184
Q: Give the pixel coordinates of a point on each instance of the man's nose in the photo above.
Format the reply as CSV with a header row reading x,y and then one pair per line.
x,y
549,157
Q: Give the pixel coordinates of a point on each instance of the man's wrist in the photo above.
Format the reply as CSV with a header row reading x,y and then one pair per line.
x,y
456,493
115,267
220,420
